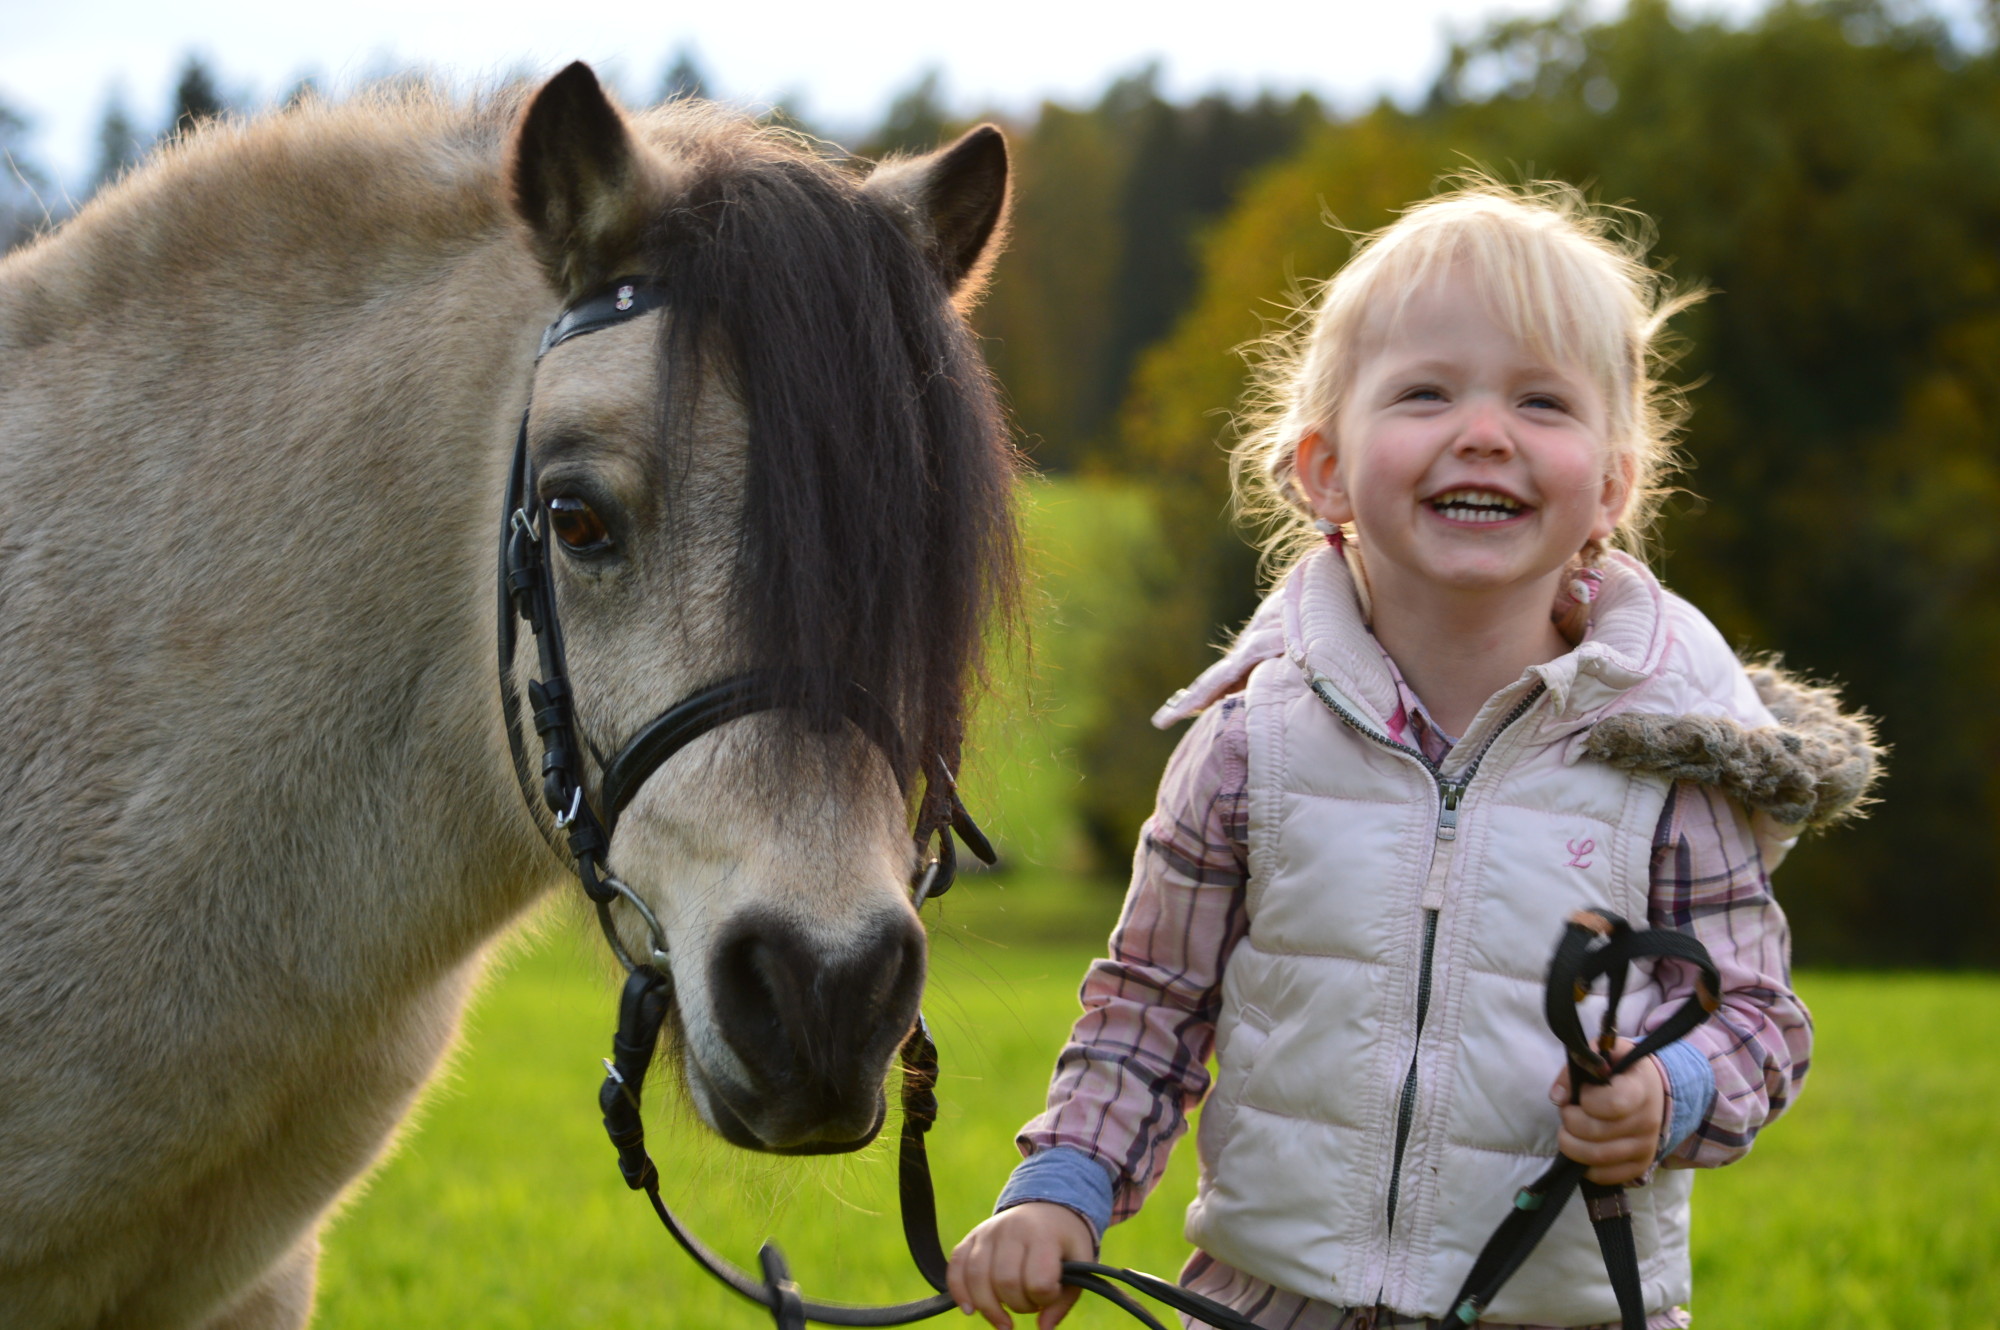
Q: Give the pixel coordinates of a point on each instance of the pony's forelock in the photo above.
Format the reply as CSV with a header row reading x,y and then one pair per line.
x,y
877,531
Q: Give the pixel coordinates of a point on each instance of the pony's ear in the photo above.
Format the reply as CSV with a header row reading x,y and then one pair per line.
x,y
953,202
576,181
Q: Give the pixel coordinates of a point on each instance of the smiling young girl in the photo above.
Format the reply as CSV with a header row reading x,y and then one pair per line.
x,y
1460,717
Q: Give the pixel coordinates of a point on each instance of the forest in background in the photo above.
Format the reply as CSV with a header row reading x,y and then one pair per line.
x,y
1830,172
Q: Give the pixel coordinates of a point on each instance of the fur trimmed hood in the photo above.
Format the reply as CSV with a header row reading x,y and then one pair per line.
x,y
1813,769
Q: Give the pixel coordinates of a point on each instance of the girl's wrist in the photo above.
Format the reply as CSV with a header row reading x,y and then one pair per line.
x,y
1065,1176
1690,1084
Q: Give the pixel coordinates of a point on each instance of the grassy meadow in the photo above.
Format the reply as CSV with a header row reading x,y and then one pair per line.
x,y
1876,1202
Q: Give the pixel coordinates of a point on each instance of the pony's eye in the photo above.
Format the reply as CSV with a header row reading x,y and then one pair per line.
x,y
577,525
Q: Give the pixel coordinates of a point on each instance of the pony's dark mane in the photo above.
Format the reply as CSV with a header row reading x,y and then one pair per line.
x,y
878,530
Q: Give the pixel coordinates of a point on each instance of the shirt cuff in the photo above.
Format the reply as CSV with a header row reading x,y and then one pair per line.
x,y
1690,1092
1065,1176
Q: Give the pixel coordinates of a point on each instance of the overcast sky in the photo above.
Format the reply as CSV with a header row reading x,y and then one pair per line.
x,y
839,63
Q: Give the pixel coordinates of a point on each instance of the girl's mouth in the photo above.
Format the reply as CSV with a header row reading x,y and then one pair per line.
x,y
1475,505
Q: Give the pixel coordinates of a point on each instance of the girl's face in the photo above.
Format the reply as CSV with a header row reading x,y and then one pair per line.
x,y
1464,460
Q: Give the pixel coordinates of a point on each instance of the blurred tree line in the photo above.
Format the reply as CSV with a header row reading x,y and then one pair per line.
x,y
22,182
31,202
1830,170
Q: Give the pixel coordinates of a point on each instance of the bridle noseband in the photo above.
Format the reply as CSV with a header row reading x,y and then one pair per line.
x,y
527,593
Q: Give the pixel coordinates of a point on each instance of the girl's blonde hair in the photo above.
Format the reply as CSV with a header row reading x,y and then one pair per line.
x,y
1568,278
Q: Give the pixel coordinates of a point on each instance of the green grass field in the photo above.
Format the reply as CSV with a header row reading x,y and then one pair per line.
x,y
1877,1202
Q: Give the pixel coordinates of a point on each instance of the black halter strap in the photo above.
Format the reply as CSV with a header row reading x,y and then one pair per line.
x,y
527,592
1594,945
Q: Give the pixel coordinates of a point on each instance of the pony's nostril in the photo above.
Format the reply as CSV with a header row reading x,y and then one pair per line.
x,y
757,997
902,981
771,973
813,1029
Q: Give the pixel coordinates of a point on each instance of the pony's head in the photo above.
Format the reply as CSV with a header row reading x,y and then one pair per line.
x,y
797,467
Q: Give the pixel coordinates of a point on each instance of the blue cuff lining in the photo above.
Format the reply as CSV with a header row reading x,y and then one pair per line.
x,y
1068,1177
1691,1081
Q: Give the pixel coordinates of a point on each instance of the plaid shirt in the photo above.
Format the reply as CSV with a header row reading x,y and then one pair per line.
x,y
1136,1062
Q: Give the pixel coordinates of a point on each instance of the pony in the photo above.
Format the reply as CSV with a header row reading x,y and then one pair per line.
x,y
257,405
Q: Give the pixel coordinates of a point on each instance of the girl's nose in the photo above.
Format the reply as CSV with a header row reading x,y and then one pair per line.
x,y
1484,431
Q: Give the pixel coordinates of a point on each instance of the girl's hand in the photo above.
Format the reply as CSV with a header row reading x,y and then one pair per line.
x,y
1014,1260
1615,1128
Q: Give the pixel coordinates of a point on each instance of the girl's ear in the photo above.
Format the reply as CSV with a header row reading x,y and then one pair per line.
x,y
1316,466
1616,498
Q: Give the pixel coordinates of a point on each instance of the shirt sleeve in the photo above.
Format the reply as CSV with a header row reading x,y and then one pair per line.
x,y
1065,1177
1690,1092
1136,1061
1709,880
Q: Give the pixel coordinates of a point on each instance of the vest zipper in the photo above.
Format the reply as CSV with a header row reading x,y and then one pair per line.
x,y
1406,1111
1451,791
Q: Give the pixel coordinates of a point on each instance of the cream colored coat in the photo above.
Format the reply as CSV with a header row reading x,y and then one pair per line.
x,y
1358,869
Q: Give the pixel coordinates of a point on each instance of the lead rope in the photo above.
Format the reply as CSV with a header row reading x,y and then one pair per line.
x,y
642,1009
1594,945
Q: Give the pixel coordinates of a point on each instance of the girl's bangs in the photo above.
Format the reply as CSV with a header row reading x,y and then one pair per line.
x,y
1548,290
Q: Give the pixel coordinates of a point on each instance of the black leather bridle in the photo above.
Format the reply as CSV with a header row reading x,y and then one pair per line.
x,y
527,593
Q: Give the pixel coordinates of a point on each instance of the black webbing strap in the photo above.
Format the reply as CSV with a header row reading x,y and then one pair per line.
x,y
1594,945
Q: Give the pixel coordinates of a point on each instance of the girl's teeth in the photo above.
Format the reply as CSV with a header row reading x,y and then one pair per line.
x,y
1474,506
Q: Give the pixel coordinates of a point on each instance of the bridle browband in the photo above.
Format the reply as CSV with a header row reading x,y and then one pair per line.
x,y
527,593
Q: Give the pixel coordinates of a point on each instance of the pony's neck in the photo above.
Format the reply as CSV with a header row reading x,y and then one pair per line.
x,y
296,474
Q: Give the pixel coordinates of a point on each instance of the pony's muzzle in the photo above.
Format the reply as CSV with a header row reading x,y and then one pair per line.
x,y
812,1029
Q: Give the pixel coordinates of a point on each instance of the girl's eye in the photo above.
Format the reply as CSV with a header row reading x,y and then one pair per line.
x,y
577,525
1423,395
1544,402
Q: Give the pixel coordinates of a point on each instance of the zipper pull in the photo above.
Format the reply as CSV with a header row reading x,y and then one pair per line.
x,y
1448,794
